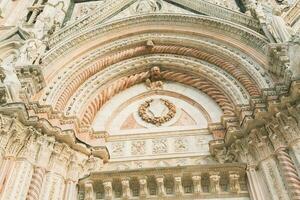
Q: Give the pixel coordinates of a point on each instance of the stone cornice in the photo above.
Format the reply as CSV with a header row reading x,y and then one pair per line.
x,y
237,167
61,134
246,35
150,135
112,7
97,16
220,12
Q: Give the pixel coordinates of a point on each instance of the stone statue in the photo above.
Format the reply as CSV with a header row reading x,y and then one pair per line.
x,y
51,18
278,27
11,79
31,52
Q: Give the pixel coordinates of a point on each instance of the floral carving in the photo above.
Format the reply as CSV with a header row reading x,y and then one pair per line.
x,y
160,146
180,145
157,120
138,147
117,148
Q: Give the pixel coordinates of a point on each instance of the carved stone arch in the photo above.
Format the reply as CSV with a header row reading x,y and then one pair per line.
x,y
123,83
246,80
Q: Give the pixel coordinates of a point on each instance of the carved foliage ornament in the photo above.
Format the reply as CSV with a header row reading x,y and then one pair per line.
x,y
154,119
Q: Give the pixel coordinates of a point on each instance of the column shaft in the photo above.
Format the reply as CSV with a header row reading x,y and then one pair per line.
x,y
290,173
255,188
36,184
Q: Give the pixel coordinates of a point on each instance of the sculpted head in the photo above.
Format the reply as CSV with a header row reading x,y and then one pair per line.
x,y
155,72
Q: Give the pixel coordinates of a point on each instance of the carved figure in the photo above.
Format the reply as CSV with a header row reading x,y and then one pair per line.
x,y
31,52
220,155
11,79
47,22
154,81
147,6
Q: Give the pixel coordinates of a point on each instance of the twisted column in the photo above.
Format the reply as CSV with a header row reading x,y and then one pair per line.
x,y
290,173
36,184
35,12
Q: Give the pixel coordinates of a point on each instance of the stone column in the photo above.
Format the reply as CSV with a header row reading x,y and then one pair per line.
x,y
22,169
256,192
161,191
143,187
18,184
262,150
178,186
71,182
6,166
71,190
54,184
125,188
35,12
197,185
295,148
278,134
43,157
289,172
273,179
89,191
234,182
108,189
36,184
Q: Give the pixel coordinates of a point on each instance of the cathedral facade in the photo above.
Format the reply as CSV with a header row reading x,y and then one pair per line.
x,y
150,99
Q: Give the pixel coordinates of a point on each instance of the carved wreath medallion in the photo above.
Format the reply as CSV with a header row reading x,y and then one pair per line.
x,y
152,118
